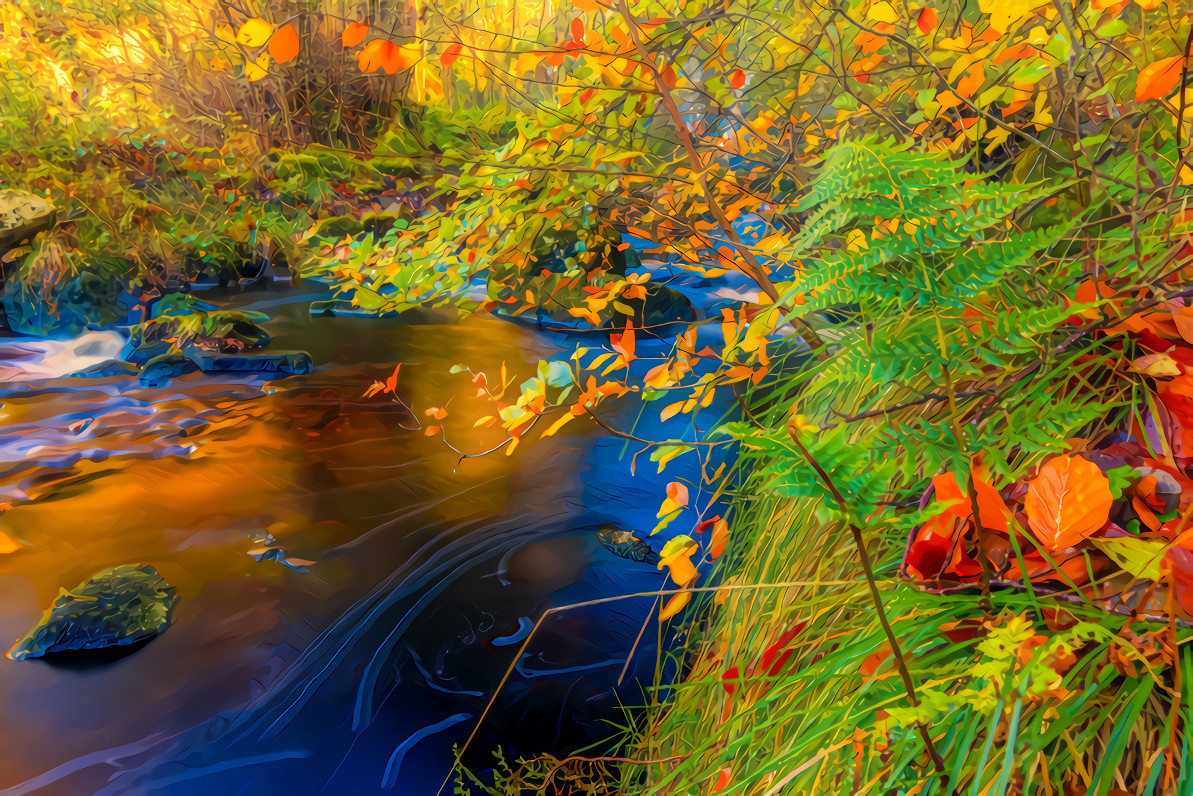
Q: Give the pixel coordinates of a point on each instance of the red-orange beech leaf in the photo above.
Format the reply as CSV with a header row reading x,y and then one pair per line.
x,y
1157,79
737,79
993,513
354,34
722,779
926,21
283,44
1067,501
577,28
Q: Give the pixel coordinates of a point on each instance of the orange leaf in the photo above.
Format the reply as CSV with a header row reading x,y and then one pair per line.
x,y
677,493
737,79
391,383
431,431
1157,79
450,54
722,780
927,21
720,537
384,54
578,30
354,34
624,343
1067,501
283,45
675,605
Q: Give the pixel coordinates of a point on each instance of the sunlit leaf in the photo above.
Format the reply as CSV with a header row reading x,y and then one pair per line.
x,y
1157,79
283,44
254,71
674,605
1140,557
1067,501
354,34
254,33
450,54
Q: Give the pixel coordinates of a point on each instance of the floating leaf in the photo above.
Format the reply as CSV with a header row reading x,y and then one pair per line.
x,y
1067,501
354,34
254,33
283,44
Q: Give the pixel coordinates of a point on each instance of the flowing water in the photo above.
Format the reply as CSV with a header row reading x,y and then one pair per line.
x,y
411,575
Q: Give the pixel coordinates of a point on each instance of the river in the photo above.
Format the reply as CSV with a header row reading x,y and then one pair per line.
x,y
414,574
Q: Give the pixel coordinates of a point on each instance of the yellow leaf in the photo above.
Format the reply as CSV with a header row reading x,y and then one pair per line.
x,y
1007,14
254,33
564,419
1140,557
882,11
255,71
1043,115
1156,365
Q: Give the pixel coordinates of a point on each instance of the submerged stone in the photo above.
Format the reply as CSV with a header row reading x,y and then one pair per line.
x,y
626,544
115,607
289,362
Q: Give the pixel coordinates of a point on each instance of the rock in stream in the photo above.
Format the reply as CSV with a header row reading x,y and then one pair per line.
x,y
116,607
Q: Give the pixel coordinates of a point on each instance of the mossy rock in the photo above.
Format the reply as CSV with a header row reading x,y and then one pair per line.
x,y
22,216
221,332
116,607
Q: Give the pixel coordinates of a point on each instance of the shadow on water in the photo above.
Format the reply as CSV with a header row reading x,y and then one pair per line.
x,y
426,571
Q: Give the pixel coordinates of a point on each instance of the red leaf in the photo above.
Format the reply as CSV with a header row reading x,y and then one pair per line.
x,y
729,678
578,30
768,662
737,79
927,21
722,780
391,383
450,54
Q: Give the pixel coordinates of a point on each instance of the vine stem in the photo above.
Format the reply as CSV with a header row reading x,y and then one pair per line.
x,y
876,597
